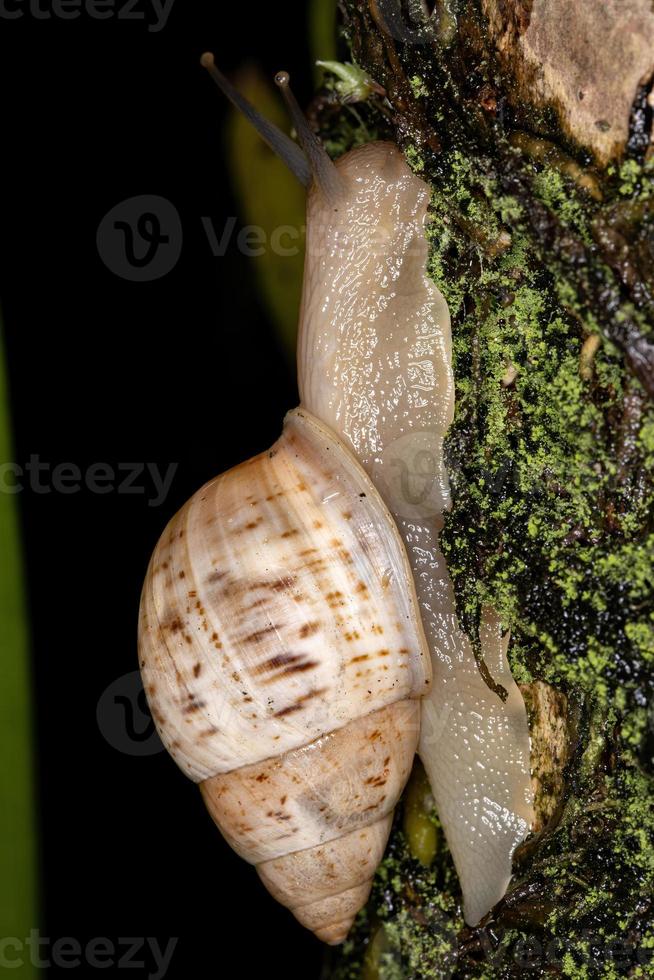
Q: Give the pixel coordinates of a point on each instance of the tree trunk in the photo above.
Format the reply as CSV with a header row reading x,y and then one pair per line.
x,y
532,121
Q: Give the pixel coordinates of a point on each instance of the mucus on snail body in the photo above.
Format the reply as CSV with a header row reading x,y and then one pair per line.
x,y
295,609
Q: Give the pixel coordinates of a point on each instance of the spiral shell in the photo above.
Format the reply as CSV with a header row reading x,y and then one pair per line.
x,y
283,658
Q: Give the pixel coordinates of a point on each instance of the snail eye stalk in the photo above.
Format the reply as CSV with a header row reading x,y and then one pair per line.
x,y
278,141
324,173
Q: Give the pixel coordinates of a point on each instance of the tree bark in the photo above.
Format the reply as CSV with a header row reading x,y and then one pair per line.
x,y
532,122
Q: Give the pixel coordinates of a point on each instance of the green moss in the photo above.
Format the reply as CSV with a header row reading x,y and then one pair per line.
x,y
414,919
551,457
418,87
542,524
646,440
630,176
551,187
415,159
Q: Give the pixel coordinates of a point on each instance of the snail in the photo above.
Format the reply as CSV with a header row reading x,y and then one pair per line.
x,y
295,609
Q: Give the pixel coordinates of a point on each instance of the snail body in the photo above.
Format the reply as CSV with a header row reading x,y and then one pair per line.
x,y
375,364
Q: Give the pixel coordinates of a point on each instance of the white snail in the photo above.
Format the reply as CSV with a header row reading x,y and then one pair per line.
x,y
291,607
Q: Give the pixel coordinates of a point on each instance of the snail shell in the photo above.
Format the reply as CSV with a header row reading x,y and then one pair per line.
x,y
284,658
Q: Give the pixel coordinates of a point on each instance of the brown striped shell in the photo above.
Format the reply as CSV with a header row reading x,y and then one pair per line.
x,y
283,658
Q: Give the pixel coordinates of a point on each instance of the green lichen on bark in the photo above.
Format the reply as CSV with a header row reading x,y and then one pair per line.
x,y
547,265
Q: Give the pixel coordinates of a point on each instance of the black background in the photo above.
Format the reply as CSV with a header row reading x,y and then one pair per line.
x,y
183,370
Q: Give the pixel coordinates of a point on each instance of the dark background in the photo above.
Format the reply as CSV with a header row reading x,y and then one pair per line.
x,y
186,370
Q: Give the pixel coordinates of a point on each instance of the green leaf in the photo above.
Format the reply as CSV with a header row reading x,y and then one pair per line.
x,y
271,201
17,825
322,32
